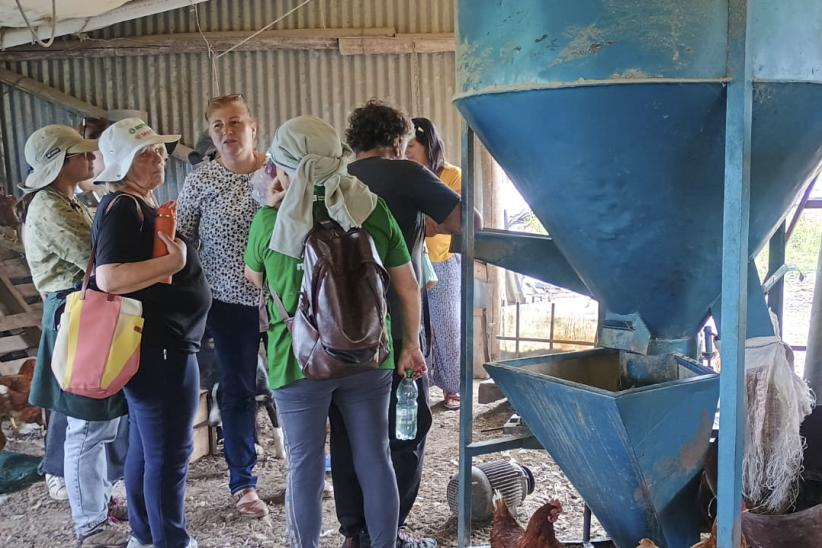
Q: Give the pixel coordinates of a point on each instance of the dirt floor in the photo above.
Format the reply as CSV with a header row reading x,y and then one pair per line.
x,y
31,519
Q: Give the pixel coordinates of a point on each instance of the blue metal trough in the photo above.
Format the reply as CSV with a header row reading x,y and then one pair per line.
x,y
609,117
632,448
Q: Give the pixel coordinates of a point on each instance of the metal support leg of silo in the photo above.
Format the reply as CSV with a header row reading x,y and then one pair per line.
x,y
734,275
466,339
776,258
468,449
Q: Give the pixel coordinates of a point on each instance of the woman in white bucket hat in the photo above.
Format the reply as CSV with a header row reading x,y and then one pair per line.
x,y
163,394
57,244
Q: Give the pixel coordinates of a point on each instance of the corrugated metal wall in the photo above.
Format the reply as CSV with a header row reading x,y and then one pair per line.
x,y
280,84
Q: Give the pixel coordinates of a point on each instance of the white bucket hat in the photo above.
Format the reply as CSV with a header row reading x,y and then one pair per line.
x,y
121,141
46,151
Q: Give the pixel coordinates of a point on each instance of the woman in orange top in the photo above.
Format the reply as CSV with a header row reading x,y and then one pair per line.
x,y
427,148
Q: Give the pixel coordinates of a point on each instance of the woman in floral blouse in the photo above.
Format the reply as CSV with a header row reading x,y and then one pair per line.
x,y
216,208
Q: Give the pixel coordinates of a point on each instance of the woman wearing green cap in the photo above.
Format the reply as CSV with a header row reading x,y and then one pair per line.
x,y
57,240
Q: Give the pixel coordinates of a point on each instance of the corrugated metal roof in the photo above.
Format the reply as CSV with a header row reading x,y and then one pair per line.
x,y
224,15
279,84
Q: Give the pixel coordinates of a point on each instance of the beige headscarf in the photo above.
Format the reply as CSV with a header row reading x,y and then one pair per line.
x,y
309,150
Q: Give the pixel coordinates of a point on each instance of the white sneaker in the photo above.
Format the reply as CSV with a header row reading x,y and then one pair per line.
x,y
134,543
57,487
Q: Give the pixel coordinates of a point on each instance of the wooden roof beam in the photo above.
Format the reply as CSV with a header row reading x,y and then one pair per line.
x,y
193,42
69,102
356,41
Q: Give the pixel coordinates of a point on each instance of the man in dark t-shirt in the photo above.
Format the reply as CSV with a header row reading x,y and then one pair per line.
x,y
378,133
411,193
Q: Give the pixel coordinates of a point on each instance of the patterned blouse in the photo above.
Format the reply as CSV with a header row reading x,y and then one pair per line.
x,y
57,240
216,208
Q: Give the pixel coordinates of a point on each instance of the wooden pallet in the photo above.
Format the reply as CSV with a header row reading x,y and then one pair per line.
x,y
21,309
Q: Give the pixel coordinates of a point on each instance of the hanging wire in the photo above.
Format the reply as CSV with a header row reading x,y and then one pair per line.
x,y
34,31
265,28
212,55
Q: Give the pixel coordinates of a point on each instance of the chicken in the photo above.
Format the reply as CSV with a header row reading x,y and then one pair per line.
x,y
646,543
20,382
8,213
14,398
507,533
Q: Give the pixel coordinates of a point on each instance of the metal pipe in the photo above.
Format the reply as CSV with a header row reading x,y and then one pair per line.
x,y
813,357
516,331
776,260
467,337
551,335
735,226
708,336
813,203
799,209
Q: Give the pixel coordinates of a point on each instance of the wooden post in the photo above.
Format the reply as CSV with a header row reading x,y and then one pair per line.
x,y
467,346
492,218
351,41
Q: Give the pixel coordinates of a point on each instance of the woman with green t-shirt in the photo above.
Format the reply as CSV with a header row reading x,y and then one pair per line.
x,y
311,168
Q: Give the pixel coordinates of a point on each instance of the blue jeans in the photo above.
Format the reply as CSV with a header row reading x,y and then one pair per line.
x,y
86,470
407,456
236,332
54,456
362,401
162,402
55,441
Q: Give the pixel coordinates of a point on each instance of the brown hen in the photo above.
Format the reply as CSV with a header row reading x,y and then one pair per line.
x,y
506,532
14,398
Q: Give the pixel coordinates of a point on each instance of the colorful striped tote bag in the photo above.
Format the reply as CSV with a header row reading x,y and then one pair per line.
x,y
97,350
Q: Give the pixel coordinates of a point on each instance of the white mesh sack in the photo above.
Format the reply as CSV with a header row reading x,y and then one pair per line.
x,y
778,402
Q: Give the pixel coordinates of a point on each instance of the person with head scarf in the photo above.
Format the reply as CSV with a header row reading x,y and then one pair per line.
x,y
163,395
312,180
378,134
57,245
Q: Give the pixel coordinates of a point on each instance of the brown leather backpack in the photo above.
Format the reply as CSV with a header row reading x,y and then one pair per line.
x,y
339,327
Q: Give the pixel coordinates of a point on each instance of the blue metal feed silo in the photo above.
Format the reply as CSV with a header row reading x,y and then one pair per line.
x,y
609,117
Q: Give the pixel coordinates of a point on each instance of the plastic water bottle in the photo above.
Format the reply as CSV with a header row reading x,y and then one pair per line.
x,y
406,419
